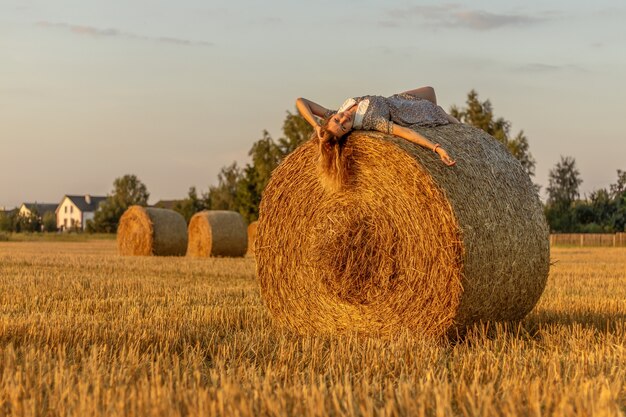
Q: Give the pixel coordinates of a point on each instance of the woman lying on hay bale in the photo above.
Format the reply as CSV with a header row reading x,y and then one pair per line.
x,y
395,115
387,239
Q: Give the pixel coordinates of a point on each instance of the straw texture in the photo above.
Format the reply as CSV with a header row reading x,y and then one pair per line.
x,y
217,233
252,236
406,243
146,231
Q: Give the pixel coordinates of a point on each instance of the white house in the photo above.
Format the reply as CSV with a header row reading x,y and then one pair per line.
x,y
74,211
27,209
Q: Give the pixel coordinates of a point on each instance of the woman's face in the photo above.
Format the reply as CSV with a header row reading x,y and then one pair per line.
x,y
340,123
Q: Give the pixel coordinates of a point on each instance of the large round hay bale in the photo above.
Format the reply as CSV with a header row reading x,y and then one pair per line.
x,y
252,236
407,243
146,231
217,233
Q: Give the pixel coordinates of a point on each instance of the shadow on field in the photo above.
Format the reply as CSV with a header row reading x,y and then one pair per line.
x,y
536,325
610,323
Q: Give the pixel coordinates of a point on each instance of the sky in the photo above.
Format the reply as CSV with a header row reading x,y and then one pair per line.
x,y
174,91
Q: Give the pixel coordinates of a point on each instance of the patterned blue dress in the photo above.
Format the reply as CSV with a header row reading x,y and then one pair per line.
x,y
380,113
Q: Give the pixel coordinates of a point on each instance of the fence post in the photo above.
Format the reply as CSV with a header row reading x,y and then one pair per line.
x,y
582,240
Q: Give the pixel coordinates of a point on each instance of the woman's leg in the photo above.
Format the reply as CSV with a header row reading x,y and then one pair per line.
x,y
452,119
427,93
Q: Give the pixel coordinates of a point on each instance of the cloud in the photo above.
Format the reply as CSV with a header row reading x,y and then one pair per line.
x,y
610,12
537,67
388,23
272,20
479,20
452,15
98,32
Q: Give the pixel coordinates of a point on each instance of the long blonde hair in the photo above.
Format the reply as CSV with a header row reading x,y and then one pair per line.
x,y
332,164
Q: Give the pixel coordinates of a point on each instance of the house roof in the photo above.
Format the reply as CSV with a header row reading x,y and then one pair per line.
x,y
42,208
80,201
167,204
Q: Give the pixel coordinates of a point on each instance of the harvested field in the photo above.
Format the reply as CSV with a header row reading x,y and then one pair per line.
x,y
85,332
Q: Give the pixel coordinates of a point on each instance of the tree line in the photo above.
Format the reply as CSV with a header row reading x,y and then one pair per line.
x,y
12,221
603,211
240,188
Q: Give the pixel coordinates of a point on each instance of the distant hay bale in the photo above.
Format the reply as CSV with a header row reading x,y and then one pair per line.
x,y
406,243
146,231
217,233
252,236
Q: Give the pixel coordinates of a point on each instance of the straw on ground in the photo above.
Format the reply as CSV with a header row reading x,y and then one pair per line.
x,y
85,332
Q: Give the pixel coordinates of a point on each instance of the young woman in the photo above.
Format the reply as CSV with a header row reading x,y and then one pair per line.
x,y
397,115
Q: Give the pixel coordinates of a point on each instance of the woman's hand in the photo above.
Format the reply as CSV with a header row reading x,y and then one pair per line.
x,y
413,136
445,157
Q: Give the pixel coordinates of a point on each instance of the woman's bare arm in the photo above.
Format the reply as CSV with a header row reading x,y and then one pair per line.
x,y
450,117
308,109
413,136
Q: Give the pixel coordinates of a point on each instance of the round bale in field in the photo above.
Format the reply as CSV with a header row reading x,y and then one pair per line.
x,y
217,233
146,231
252,236
380,236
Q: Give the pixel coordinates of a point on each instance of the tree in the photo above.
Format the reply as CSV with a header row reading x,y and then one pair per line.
x,y
28,223
249,191
266,154
241,189
618,220
619,188
584,218
480,115
563,190
603,211
224,195
602,208
49,222
6,221
296,130
127,191
618,199
564,182
191,205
